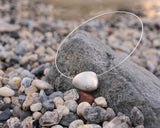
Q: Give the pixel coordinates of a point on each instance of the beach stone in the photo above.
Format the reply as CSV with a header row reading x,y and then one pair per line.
x,y
16,111
86,81
90,126
76,124
27,121
50,118
5,106
137,117
67,119
15,101
5,91
40,84
81,107
12,121
26,82
101,101
36,107
63,110
105,123
5,115
56,94
112,113
57,126
139,126
36,115
71,95
14,87
21,98
42,96
58,101
48,92
128,82
96,114
49,105
71,105
7,100
28,101
31,89
84,97
25,114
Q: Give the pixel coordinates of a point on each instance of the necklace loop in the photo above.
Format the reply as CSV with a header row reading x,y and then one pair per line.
x,y
107,13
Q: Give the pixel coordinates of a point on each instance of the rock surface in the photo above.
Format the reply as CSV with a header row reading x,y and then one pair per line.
x,y
126,86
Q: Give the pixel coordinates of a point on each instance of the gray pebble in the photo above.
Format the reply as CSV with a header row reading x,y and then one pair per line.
x,y
25,114
71,105
137,117
67,119
48,105
20,49
26,82
21,98
42,96
14,87
71,95
96,114
16,111
5,115
139,126
56,94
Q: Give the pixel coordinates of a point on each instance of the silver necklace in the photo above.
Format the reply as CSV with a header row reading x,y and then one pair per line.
x,y
88,80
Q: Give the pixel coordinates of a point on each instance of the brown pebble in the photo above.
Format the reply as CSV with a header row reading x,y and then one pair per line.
x,y
84,97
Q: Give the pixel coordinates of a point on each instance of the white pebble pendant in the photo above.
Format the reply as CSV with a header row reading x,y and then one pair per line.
x,y
86,81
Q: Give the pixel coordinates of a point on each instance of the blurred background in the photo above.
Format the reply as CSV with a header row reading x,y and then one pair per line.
x,y
31,30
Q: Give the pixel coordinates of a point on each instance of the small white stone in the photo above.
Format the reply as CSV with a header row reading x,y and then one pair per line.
x,y
81,107
58,101
12,121
76,124
101,101
36,107
57,126
86,81
27,121
5,91
63,110
36,115
7,100
40,84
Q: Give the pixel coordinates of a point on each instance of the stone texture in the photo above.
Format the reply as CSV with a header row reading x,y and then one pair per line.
x,y
5,91
101,101
58,101
40,84
81,107
76,124
28,101
71,105
124,87
36,107
71,95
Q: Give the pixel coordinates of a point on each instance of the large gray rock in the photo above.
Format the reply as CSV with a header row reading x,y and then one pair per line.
x,y
126,86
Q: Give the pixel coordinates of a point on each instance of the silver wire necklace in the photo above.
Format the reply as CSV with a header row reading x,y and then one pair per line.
x,y
88,80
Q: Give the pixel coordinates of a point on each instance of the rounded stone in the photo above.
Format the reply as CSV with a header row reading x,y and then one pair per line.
x,y
81,107
71,95
36,107
48,105
57,126
58,101
26,82
12,121
63,109
7,100
86,81
5,91
90,126
101,101
71,105
76,124
40,84
36,115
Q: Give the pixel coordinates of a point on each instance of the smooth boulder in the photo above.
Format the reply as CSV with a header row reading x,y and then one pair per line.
x,y
126,86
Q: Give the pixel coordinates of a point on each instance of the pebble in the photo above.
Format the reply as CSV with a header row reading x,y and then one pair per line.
x,y
137,117
26,82
12,121
5,115
86,81
139,126
42,96
49,105
16,111
48,92
39,70
21,98
14,87
41,84
31,89
58,101
5,91
28,101
101,101
81,107
36,115
57,126
63,110
71,95
5,106
36,107
56,94
15,80
90,126
25,114
50,118
67,119
96,114
71,105
76,124
7,100
27,121
112,113
15,101
84,97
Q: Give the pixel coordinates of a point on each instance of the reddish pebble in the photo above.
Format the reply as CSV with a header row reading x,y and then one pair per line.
x,y
84,97
30,126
